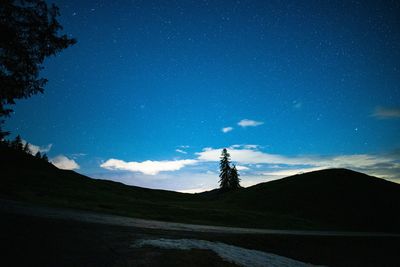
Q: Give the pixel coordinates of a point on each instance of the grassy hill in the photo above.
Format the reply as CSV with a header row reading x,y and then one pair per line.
x,y
334,199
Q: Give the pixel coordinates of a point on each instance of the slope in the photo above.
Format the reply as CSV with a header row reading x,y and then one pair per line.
x,y
335,199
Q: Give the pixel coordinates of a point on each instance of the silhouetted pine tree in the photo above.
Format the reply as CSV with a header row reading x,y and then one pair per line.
x,y
45,158
225,170
38,155
17,143
26,149
234,180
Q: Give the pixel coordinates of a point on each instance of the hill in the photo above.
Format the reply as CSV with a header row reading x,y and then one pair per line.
x,y
334,199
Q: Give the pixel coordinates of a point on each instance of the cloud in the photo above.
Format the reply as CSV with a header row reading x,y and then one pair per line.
x,y
148,167
254,156
244,146
35,149
181,149
356,161
76,155
290,172
62,162
226,129
247,156
249,123
381,165
254,164
187,181
195,190
386,113
241,168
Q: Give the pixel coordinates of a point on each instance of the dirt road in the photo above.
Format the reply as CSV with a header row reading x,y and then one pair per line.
x,y
15,207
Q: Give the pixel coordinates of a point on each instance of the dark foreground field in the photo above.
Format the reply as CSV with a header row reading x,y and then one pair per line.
x,y
35,241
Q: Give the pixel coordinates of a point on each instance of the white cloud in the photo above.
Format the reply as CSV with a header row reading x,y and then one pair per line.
x,y
196,190
378,165
244,146
249,123
255,165
62,162
241,168
187,181
226,129
77,155
148,167
249,180
290,172
355,161
251,146
386,113
180,151
253,156
35,149
247,156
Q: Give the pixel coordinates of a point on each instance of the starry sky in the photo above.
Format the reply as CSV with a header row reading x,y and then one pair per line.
x,y
153,90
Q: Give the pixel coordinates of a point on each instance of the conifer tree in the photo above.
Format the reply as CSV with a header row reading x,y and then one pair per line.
x,y
234,180
38,155
45,158
225,170
17,143
26,149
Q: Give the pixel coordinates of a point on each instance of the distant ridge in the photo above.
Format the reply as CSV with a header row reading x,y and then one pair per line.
x,y
332,199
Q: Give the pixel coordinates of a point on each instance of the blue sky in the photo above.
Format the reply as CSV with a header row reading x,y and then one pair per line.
x,y
145,94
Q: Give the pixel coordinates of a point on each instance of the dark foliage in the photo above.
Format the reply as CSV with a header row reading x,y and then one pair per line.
x,y
38,155
234,180
224,170
29,33
17,143
229,177
27,149
18,146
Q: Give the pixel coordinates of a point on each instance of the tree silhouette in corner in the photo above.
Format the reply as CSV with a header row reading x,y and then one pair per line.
x,y
229,177
29,33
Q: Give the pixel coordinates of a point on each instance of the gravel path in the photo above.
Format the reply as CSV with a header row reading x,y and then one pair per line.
x,y
15,207
233,254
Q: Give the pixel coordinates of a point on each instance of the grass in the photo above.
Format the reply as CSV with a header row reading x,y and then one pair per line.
x,y
335,199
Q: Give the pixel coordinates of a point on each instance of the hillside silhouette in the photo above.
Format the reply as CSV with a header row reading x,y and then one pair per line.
x,y
333,199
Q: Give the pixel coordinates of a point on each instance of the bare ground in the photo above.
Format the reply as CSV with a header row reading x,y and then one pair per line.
x,y
37,236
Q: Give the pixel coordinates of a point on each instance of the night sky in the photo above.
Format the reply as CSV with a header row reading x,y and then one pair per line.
x,y
153,90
